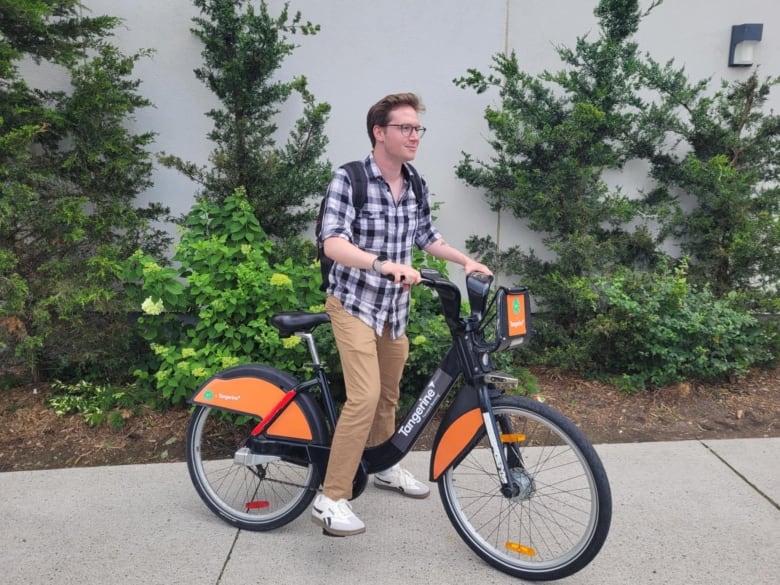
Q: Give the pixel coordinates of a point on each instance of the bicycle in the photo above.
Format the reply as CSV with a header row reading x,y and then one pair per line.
x,y
520,483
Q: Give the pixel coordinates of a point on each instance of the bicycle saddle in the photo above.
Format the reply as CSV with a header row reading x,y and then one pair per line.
x,y
295,321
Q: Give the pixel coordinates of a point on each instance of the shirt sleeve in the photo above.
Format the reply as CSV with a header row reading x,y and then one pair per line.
x,y
339,212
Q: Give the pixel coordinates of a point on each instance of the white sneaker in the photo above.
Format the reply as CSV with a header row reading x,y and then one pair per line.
x,y
336,517
399,480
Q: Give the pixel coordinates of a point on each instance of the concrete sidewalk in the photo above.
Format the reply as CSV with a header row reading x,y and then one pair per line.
x,y
685,513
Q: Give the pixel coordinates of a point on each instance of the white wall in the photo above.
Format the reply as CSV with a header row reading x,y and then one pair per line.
x,y
368,49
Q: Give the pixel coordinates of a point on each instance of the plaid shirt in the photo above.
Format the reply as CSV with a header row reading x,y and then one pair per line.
x,y
380,228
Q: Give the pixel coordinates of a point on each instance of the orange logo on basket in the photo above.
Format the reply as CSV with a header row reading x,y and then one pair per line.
x,y
515,315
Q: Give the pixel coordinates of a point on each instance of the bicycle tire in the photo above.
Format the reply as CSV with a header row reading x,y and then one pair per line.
x,y
258,494
561,518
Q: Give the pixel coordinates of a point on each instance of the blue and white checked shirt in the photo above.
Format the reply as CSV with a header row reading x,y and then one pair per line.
x,y
381,228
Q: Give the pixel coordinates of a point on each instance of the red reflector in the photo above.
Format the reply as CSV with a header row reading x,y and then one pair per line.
x,y
257,505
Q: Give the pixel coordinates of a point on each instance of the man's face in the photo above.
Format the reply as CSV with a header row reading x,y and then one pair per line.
x,y
396,145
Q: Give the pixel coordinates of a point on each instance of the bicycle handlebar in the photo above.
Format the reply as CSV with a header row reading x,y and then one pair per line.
x,y
478,289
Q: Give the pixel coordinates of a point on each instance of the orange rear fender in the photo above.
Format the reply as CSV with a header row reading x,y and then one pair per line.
x,y
256,397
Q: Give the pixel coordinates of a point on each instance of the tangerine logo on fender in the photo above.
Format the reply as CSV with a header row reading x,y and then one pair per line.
x,y
208,394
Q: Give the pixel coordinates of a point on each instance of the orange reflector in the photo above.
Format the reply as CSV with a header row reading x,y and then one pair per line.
x,y
519,548
513,438
257,505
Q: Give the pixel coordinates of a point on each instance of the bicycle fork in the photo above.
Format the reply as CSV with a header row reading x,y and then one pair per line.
x,y
509,487
516,483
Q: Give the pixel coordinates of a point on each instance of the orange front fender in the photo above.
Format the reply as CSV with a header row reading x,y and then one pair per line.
x,y
453,440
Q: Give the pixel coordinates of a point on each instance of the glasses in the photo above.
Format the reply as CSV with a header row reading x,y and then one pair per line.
x,y
406,129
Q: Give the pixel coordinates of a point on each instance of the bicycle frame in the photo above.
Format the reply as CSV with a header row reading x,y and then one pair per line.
x,y
283,430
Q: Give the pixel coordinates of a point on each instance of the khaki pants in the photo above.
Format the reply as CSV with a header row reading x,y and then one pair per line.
x,y
372,366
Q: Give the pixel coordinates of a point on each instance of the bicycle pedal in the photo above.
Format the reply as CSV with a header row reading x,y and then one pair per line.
x,y
326,533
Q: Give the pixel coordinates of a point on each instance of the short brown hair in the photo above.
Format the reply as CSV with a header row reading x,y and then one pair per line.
x,y
379,113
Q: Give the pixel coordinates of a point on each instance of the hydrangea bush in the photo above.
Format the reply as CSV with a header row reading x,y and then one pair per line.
x,y
212,311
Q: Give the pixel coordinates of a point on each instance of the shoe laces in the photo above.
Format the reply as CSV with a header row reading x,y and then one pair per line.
x,y
342,509
401,476
406,478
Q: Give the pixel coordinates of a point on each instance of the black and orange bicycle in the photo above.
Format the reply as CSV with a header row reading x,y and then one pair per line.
x,y
520,482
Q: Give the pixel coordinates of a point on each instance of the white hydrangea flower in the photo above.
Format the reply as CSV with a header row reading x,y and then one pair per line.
x,y
151,307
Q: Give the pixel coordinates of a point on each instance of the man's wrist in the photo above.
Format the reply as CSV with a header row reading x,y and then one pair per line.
x,y
378,261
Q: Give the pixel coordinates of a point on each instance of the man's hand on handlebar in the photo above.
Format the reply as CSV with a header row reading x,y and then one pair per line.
x,y
401,274
474,266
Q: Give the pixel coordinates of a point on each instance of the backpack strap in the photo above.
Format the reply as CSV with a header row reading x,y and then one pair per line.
x,y
417,184
359,181
357,177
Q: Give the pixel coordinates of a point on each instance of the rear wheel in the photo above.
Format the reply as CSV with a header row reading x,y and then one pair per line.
x,y
247,490
560,518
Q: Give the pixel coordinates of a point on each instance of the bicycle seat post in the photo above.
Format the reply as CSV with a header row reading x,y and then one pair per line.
x,y
312,346
320,378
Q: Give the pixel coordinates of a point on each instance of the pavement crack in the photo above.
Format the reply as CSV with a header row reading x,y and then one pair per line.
x,y
758,490
227,558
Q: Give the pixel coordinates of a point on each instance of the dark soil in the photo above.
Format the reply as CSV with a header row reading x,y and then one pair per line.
x,y
35,437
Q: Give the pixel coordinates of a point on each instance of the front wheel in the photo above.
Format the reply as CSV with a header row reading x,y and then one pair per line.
x,y
559,518
246,489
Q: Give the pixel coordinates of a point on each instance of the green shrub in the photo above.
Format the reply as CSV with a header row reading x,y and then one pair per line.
x,y
98,403
720,182
70,175
652,330
245,44
212,312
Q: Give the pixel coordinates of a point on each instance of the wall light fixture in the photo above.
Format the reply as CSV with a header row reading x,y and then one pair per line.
x,y
744,40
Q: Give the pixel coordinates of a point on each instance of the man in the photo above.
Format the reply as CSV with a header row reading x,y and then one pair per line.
x,y
368,312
